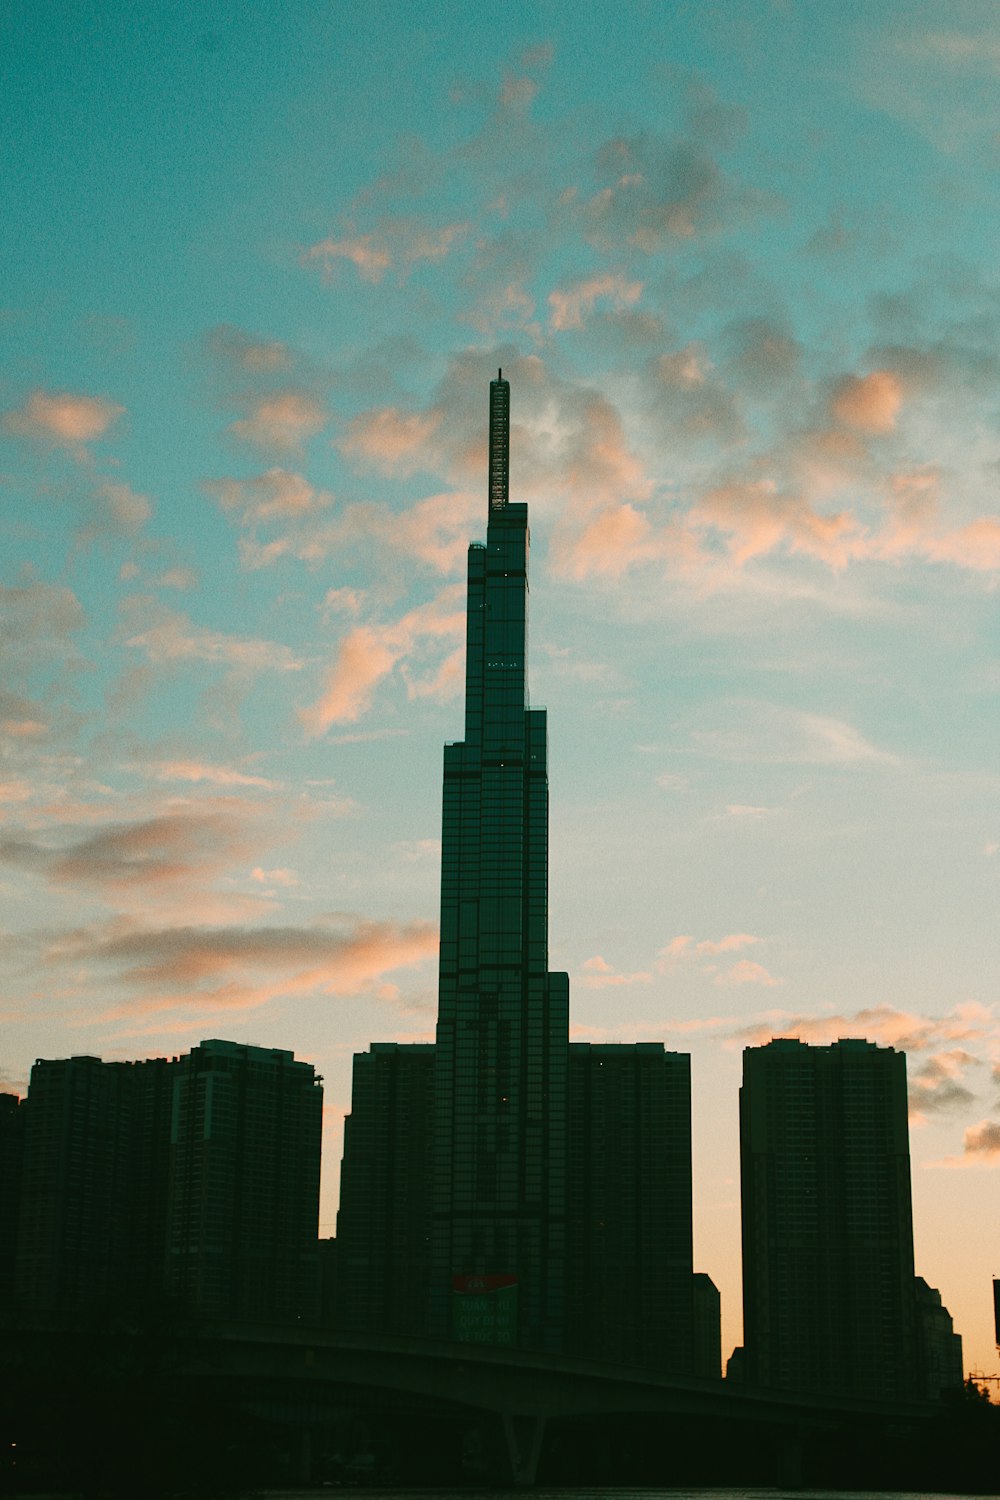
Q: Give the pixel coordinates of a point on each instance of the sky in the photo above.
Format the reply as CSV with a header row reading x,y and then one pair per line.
x,y
739,263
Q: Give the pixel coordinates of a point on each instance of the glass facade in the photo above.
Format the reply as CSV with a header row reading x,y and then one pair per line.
x,y
828,1282
502,1037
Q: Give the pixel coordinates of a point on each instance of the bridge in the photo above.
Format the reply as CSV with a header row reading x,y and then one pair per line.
x,y
301,1377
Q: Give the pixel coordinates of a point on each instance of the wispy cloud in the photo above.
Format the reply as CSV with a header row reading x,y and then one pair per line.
x,y
570,307
936,1086
239,968
166,635
281,422
203,771
276,495
884,1024
396,244
369,653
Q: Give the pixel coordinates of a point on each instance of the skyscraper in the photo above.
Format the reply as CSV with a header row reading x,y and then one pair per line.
x,y
828,1285
558,1193
499,1197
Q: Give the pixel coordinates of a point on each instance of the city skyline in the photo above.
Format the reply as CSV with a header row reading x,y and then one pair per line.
x,y
750,310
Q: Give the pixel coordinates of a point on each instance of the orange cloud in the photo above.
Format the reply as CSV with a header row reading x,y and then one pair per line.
x,y
389,440
572,306
364,251
983,1140
882,1024
277,494
368,653
167,635
168,849
756,519
402,241
730,944
220,968
202,771
62,417
282,421
868,403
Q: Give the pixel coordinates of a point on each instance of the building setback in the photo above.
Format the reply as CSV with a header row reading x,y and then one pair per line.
x,y
828,1284
558,1184
499,1194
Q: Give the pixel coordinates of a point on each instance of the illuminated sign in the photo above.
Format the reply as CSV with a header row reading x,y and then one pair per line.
x,y
484,1309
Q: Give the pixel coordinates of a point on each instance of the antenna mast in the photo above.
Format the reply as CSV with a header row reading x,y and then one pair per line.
x,y
499,441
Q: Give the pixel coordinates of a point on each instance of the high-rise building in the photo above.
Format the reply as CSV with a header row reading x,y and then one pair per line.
x,y
939,1346
384,1223
94,1183
828,1285
12,1117
192,1181
630,1247
558,1186
499,1197
243,1218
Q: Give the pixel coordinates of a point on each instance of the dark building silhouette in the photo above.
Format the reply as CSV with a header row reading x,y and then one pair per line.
x,y
193,1180
828,1284
12,1121
630,1266
557,1187
384,1223
939,1347
499,1197
707,1327
93,1193
243,1211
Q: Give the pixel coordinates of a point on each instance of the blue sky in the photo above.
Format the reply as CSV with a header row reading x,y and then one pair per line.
x,y
739,263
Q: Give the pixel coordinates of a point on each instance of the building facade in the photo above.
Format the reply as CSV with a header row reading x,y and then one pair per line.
x,y
558,1183
828,1282
93,1186
243,1212
499,1193
630,1257
188,1184
384,1224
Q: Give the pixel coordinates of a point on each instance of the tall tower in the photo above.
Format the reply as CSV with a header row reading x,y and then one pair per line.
x,y
828,1285
499,1194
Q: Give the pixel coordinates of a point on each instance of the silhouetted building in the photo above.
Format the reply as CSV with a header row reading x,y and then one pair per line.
x,y
707,1328
384,1223
12,1121
93,1193
193,1181
828,1287
243,1219
630,1271
499,1204
508,1092
939,1346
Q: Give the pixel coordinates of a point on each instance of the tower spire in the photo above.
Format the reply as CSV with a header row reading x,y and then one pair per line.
x,y
499,459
